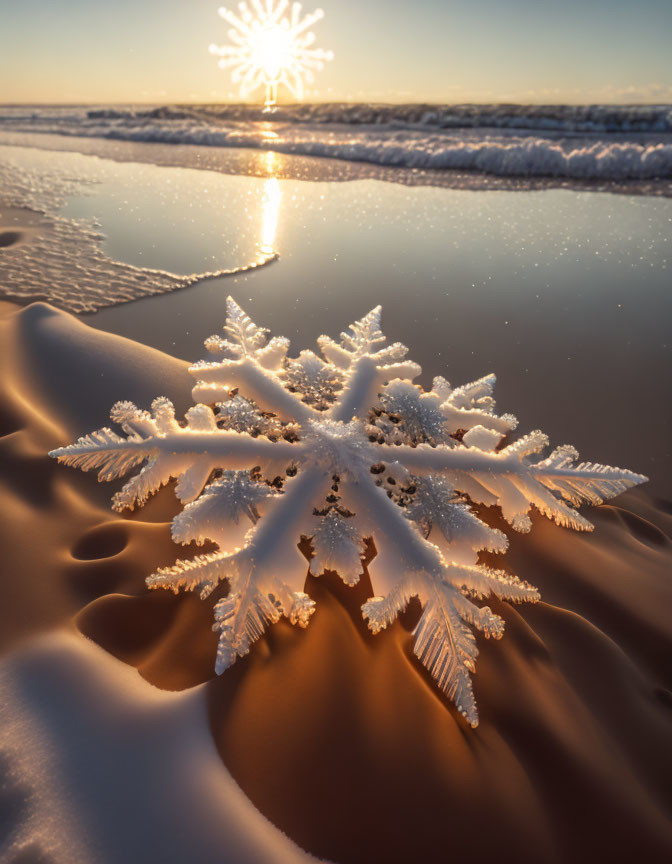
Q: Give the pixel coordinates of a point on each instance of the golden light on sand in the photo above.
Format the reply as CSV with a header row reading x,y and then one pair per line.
x,y
272,46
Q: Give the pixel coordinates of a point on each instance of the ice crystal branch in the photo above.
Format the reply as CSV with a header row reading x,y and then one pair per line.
x,y
342,450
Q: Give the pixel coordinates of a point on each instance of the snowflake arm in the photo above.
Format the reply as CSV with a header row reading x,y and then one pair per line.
x,y
265,577
448,649
188,453
507,478
366,364
215,381
248,362
410,566
443,642
473,405
400,547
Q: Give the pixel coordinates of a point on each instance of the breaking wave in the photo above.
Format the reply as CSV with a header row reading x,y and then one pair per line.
x,y
603,142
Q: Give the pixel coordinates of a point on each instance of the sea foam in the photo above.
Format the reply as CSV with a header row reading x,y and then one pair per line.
x,y
601,142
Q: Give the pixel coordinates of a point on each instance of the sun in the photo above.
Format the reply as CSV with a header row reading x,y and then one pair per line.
x,y
271,50
272,45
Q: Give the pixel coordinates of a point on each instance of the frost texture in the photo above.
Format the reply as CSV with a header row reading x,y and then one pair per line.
x,y
339,451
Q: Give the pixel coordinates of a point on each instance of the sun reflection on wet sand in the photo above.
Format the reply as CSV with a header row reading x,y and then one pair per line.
x,y
270,207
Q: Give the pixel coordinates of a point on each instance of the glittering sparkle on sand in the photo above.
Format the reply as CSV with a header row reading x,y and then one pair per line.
x,y
272,46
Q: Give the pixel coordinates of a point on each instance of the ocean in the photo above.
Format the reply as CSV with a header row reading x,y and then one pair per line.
x,y
631,143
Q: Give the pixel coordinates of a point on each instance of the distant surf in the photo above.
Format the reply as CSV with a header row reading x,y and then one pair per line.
x,y
597,142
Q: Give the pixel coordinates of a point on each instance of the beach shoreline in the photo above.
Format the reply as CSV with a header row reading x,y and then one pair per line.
x,y
254,162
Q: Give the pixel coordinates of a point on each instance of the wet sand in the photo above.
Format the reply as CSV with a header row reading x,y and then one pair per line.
x,y
18,226
241,160
337,737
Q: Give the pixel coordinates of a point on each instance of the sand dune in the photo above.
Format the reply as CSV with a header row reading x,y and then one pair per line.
x,y
102,767
336,737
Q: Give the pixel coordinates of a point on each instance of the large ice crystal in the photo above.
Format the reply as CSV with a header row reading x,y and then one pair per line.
x,y
339,451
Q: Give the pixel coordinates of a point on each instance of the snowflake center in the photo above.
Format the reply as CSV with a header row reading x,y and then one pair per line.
x,y
338,448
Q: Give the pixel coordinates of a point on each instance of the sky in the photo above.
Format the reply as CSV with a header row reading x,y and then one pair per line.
x,y
557,51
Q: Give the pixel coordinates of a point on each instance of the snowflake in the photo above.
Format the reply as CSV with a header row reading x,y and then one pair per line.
x,y
269,48
346,449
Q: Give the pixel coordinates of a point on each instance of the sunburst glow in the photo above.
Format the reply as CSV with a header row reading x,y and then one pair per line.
x,y
272,46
